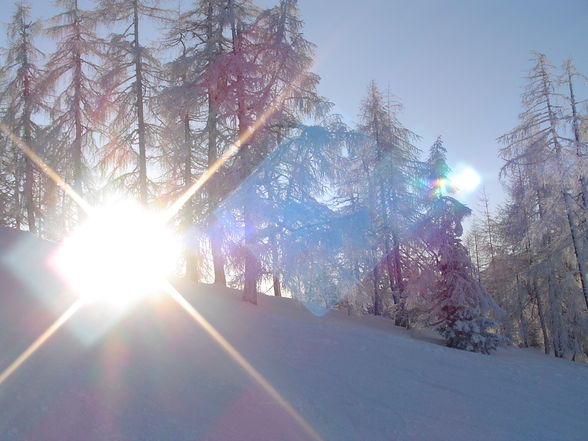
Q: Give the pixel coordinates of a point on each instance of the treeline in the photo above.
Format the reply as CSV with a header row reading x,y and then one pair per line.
x,y
298,202
531,255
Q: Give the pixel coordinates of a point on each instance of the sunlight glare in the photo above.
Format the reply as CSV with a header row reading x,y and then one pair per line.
x,y
122,254
465,179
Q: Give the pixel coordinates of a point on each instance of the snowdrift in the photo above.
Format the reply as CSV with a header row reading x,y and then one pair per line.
x,y
153,374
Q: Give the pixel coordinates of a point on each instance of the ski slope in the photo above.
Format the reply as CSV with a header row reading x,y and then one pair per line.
x,y
153,374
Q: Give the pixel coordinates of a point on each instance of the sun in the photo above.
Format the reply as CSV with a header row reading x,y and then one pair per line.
x,y
465,179
121,254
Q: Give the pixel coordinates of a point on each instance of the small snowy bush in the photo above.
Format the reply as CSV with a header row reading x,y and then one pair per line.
x,y
467,329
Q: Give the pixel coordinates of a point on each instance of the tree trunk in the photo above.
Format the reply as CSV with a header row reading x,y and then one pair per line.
x,y
277,287
534,294
377,296
17,184
27,138
555,313
215,233
522,324
275,271
400,319
390,270
576,130
28,191
251,264
546,343
143,194
77,104
192,261
376,261
578,250
246,153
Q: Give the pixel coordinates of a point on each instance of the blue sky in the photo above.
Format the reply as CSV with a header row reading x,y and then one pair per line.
x,y
456,65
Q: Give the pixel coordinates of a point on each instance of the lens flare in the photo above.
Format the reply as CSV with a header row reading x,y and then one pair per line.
x,y
121,254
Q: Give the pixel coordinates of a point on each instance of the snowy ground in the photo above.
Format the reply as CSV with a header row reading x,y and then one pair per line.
x,y
155,375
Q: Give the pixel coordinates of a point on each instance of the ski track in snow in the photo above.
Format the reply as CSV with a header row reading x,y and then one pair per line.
x,y
155,375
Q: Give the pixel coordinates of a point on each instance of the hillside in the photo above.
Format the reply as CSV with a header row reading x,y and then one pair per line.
x,y
153,374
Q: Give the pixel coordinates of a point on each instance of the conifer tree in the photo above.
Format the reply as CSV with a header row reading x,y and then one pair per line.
x,y
539,134
389,161
200,72
21,98
73,70
180,108
131,78
288,91
268,76
544,175
458,300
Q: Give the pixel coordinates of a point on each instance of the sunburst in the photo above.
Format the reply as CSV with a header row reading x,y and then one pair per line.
x,y
121,254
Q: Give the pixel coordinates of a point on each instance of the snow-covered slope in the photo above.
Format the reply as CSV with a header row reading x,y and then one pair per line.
x,y
153,374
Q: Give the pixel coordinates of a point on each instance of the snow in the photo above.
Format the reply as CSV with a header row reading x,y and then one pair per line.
x,y
154,375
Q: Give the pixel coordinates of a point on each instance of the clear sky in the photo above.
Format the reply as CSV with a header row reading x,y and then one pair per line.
x,y
456,65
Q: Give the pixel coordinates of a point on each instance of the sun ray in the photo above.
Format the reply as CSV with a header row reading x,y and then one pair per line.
x,y
240,360
45,168
40,341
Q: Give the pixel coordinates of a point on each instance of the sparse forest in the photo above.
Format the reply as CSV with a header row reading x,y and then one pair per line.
x,y
297,203
531,255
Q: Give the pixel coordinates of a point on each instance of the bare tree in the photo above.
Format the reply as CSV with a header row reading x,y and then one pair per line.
x,y
21,98
132,73
73,70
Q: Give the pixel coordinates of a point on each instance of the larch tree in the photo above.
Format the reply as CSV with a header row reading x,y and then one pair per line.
x,y
575,120
73,70
180,108
132,74
389,162
540,128
268,77
21,98
289,91
542,225
205,67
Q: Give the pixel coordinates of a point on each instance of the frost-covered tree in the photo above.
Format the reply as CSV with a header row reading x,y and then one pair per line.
x,y
269,82
72,71
289,95
240,81
576,120
488,227
520,296
388,160
292,181
130,81
21,98
539,135
180,108
473,242
542,226
197,95
457,301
